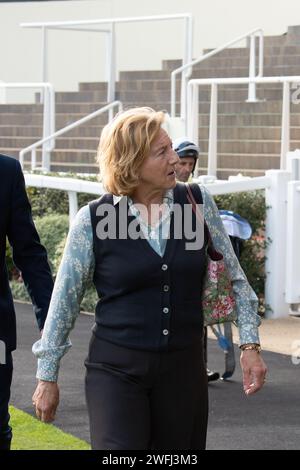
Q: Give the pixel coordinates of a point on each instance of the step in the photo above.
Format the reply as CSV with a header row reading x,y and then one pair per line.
x,y
263,147
88,143
209,72
61,120
268,51
259,162
236,72
253,119
81,96
165,84
21,108
243,61
144,74
67,156
21,131
276,40
249,133
123,95
224,95
131,85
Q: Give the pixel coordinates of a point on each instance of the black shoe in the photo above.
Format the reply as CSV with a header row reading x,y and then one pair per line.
x,y
212,376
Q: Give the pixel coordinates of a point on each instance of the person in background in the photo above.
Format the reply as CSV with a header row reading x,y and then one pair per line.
x,y
30,257
146,382
188,152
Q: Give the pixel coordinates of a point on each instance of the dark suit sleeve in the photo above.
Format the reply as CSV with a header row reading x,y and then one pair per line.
x,y
28,254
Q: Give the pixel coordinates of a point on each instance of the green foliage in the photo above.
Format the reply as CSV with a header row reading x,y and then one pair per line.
x,y
52,230
19,291
9,260
251,206
45,201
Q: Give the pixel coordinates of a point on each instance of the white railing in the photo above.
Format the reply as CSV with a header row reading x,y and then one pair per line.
x,y
186,70
92,26
293,235
32,148
279,226
48,114
71,185
193,106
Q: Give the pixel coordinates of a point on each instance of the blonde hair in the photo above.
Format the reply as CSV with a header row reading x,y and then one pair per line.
x,y
124,144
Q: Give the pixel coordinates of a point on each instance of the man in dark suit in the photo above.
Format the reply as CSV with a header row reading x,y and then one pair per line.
x,y
31,259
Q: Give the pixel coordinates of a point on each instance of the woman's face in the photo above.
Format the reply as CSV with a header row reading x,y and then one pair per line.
x,y
158,169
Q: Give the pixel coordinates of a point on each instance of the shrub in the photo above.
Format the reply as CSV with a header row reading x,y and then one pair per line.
x,y
9,260
52,230
19,291
45,201
251,205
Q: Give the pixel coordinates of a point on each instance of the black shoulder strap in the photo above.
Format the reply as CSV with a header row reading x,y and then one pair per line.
x,y
181,191
196,190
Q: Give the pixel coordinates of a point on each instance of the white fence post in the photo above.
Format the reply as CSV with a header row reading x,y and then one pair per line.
x,y
292,244
276,229
73,205
285,125
46,130
213,132
252,70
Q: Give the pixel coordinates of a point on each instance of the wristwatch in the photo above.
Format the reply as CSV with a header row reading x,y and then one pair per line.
x,y
251,347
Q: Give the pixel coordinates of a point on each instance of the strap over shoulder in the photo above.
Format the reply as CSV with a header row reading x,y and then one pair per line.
x,y
196,192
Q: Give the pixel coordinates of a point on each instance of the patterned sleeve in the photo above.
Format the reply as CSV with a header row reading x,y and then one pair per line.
x,y
75,270
246,300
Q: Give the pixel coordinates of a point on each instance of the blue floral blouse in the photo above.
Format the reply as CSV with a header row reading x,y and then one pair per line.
x,y
76,270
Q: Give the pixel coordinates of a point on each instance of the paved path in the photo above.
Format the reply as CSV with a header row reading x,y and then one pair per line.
x,y
269,420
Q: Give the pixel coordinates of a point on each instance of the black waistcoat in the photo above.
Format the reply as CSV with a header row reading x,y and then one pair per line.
x,y
147,301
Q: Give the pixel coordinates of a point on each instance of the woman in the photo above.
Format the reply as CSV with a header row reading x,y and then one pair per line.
x,y
146,385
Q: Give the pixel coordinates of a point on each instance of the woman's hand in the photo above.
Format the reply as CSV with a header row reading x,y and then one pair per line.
x,y
254,371
46,399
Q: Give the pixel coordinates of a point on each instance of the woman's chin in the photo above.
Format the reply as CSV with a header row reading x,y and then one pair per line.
x,y
171,184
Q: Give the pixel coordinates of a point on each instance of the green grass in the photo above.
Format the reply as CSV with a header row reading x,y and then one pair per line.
x,y
30,434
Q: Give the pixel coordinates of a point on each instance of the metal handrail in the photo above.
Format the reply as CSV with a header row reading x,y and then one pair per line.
x,y
48,114
71,185
193,101
32,148
89,25
188,69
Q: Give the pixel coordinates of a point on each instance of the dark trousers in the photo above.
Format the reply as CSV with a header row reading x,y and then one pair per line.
x,y
6,371
139,400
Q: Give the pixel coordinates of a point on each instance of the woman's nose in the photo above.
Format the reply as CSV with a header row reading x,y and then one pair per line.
x,y
173,157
